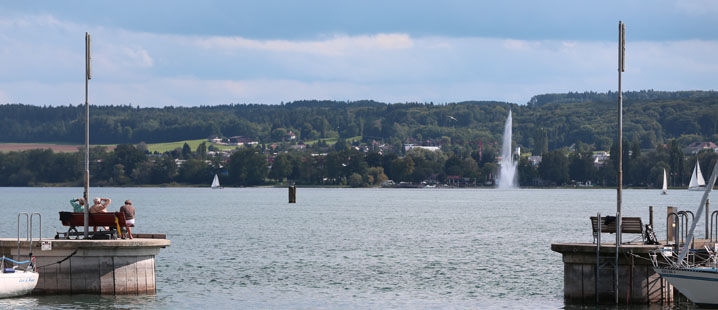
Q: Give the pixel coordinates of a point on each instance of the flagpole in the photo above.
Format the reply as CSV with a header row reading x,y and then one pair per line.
x,y
619,198
86,178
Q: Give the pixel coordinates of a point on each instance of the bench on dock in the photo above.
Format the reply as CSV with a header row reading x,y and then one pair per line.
x,y
115,221
629,225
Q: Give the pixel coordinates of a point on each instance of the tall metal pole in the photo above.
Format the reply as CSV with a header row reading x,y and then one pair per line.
x,y
619,198
86,179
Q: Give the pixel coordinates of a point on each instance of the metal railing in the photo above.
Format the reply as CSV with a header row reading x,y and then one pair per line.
x,y
713,226
679,226
28,226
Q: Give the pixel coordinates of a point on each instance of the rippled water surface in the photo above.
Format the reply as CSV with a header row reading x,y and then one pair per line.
x,y
247,248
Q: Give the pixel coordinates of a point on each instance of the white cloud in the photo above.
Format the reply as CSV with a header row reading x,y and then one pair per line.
x,y
335,46
41,62
137,56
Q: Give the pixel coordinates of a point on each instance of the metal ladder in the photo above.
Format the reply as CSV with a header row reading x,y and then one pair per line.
x,y
28,235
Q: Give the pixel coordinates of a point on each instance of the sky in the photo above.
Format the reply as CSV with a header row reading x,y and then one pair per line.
x,y
181,53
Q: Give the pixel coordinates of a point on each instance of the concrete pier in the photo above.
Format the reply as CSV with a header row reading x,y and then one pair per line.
x,y
637,282
97,267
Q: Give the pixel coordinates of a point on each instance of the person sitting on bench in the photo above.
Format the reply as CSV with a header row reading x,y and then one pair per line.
x,y
129,212
100,206
78,205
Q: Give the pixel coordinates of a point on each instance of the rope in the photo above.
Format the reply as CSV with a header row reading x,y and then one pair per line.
x,y
60,261
16,262
636,256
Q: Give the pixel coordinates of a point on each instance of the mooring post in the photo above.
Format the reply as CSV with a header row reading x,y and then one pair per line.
x,y
292,194
708,203
650,217
671,224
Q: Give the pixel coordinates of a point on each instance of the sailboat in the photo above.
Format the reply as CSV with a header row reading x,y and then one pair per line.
x,y
215,182
697,183
15,281
697,281
665,183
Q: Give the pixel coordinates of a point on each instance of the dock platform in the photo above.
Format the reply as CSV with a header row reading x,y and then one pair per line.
x,y
637,284
114,267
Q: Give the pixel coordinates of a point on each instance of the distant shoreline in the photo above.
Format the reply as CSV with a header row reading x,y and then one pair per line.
x,y
178,185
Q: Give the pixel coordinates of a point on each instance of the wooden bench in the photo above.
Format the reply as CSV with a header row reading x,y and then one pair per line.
x,y
115,221
629,225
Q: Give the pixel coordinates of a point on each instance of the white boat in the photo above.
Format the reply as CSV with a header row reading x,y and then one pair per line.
x,y
699,285
697,183
16,282
215,182
665,183
698,282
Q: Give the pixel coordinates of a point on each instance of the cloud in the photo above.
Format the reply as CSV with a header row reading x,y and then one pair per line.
x,y
335,46
41,62
137,56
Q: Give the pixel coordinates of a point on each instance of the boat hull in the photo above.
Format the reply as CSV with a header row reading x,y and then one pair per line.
x,y
698,285
18,283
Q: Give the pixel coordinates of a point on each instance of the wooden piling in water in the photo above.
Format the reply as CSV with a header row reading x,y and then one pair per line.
x,y
292,194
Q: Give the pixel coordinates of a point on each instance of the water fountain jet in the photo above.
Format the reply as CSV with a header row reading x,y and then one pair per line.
x,y
508,167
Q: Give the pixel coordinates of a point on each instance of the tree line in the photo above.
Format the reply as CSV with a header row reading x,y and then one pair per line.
x,y
547,122
343,164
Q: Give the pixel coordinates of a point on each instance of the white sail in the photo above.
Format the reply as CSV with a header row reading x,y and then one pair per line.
x,y
665,182
697,181
699,175
215,182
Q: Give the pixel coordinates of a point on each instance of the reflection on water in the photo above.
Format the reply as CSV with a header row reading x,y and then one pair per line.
x,y
348,248
81,301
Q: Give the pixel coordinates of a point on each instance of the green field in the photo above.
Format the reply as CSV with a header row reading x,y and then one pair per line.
x,y
332,141
169,146
152,147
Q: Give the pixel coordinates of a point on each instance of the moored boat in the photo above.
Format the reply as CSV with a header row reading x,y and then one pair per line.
x,y
699,285
17,282
696,279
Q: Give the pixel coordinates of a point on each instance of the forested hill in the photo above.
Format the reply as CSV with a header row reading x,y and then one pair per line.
x,y
547,121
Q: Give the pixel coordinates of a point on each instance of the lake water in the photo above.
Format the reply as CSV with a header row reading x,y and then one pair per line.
x,y
247,248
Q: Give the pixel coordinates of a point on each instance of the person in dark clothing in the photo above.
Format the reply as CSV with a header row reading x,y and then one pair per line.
x,y
129,212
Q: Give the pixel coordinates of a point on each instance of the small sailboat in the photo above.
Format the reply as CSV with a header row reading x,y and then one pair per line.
x,y
665,183
215,182
697,182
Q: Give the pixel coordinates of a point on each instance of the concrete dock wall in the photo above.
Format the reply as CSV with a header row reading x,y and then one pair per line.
x,y
98,266
637,282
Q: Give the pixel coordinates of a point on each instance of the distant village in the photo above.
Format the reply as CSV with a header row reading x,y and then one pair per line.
x,y
224,147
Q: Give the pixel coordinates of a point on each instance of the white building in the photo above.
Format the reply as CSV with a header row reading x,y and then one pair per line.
x,y
408,147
